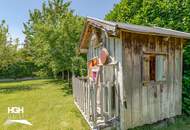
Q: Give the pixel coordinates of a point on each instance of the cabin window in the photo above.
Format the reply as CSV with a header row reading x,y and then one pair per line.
x,y
154,67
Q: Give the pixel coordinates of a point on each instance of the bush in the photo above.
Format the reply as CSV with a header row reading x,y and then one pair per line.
x,y
18,70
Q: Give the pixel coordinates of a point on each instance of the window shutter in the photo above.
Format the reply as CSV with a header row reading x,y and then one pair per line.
x,y
160,68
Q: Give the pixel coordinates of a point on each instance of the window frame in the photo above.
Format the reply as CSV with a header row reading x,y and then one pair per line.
x,y
165,67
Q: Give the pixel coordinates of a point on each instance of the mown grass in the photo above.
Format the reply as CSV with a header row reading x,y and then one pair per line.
x,y
48,105
177,123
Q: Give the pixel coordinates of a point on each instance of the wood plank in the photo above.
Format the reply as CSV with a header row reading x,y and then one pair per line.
x,y
108,73
139,77
151,101
111,42
162,88
171,78
150,94
145,112
165,88
101,99
177,79
105,101
110,99
135,83
127,81
88,101
157,86
119,58
181,76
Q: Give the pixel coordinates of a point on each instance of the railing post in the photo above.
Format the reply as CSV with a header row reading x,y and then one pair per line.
x,y
110,101
79,100
88,98
91,101
82,96
105,100
117,96
94,105
101,99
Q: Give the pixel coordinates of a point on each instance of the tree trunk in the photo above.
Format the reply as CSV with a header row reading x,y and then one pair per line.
x,y
55,75
63,76
68,77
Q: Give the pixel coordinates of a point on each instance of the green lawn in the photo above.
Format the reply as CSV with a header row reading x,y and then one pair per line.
x,y
180,123
48,105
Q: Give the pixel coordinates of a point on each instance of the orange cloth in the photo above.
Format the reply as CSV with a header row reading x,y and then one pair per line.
x,y
91,64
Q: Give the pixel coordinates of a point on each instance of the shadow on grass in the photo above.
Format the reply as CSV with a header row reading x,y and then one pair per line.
x,y
176,123
64,86
8,90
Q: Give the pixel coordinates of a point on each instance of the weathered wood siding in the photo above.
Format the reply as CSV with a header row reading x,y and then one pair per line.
x,y
114,47
115,50
92,51
153,101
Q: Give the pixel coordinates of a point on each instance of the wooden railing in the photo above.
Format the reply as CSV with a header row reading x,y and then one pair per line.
x,y
85,97
84,93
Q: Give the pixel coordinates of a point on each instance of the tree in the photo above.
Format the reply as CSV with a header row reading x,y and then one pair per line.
x,y
6,49
172,14
52,35
13,61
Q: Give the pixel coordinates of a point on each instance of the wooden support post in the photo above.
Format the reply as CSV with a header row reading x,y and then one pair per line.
x,y
105,97
110,101
85,98
91,101
94,103
101,99
88,101
117,99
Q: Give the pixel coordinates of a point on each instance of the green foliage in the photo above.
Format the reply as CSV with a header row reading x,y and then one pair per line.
x,y
52,35
172,14
18,70
6,49
186,80
13,61
79,66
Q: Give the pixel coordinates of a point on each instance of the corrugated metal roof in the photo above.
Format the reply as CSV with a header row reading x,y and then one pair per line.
x,y
142,29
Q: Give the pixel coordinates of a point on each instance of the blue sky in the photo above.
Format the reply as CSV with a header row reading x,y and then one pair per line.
x,y
15,12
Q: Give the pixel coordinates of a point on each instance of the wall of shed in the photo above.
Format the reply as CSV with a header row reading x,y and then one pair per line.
x,y
155,101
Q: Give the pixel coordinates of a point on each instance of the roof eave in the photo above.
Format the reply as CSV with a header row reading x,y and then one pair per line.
x,y
156,34
96,23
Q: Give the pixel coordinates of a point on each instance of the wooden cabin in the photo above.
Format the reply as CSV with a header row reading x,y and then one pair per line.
x,y
134,74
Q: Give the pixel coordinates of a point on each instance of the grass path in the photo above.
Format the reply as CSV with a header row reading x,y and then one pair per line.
x,y
48,105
